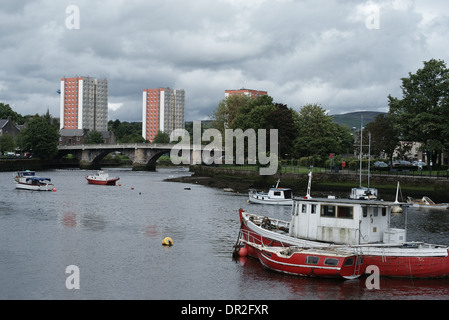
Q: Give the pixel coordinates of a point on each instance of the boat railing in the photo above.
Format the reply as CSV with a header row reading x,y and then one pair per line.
x,y
255,238
269,223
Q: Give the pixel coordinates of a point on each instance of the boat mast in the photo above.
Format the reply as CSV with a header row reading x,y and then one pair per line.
x,y
360,155
309,185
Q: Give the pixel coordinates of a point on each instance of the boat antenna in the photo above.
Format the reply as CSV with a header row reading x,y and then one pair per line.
x,y
397,192
277,184
309,185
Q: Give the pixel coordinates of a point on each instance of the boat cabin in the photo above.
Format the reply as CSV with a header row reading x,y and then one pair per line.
x,y
344,221
363,193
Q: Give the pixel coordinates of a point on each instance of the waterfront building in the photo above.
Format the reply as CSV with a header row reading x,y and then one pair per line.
x,y
162,110
247,92
84,103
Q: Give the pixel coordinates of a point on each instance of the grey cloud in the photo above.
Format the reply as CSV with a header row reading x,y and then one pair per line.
x,y
299,51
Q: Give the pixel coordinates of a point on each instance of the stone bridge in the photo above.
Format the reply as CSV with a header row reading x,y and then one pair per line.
x,y
142,155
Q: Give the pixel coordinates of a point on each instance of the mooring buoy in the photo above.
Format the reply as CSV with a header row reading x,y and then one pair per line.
x,y
167,241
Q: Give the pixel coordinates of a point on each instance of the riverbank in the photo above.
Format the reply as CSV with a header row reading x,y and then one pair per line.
x,y
323,184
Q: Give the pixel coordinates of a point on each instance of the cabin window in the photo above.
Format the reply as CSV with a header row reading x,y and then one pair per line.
x,y
304,208
312,260
349,262
327,211
313,208
331,262
344,212
287,194
384,212
375,212
277,193
365,211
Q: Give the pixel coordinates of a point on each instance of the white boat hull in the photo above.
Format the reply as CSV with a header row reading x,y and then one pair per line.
x,y
25,186
266,200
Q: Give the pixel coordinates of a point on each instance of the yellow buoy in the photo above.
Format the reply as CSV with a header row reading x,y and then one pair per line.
x,y
167,241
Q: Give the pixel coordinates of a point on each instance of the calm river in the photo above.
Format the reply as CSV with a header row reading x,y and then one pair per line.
x,y
113,234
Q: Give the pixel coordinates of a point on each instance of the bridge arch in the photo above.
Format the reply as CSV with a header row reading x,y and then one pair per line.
x,y
142,155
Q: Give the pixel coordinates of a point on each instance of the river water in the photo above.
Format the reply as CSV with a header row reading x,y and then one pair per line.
x,y
113,235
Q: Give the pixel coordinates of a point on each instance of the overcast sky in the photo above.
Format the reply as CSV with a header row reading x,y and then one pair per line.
x,y
345,55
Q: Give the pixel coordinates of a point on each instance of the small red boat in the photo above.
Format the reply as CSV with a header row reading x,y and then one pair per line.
x,y
310,262
102,178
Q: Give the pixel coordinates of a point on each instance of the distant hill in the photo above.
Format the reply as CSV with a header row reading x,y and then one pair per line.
x,y
352,119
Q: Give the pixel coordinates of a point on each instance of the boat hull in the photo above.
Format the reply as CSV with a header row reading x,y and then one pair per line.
x,y
310,263
281,202
34,187
416,261
107,182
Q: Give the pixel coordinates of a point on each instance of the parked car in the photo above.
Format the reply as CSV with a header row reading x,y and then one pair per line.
x,y
401,163
380,164
419,164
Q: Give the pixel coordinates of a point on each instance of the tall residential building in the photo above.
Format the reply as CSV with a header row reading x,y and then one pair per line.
x,y
243,91
162,109
84,103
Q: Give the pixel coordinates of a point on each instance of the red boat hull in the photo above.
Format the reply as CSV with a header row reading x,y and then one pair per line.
x,y
400,266
325,266
407,267
109,182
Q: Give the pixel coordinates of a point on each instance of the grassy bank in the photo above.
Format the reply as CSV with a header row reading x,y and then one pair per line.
x,y
323,184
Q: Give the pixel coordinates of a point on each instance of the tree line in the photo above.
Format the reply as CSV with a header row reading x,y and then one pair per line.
x,y
420,115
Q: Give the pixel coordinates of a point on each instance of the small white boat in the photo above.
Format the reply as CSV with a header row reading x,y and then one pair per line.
x,y
27,180
363,193
426,202
102,178
276,195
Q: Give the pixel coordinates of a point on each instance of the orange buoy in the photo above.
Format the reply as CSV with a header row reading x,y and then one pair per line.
x,y
243,252
54,190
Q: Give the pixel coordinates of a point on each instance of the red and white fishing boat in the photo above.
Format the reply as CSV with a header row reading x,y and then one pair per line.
x,y
102,178
348,224
310,262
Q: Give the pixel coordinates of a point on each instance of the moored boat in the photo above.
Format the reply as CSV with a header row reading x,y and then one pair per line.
x,y
310,262
275,195
27,180
102,178
426,202
349,224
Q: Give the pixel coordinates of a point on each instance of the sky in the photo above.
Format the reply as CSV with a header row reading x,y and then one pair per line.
x,y
344,55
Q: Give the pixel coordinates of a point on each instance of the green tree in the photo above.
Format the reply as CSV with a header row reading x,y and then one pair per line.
x,y
244,112
161,137
6,112
422,115
318,135
227,110
384,135
7,143
94,137
40,138
127,132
